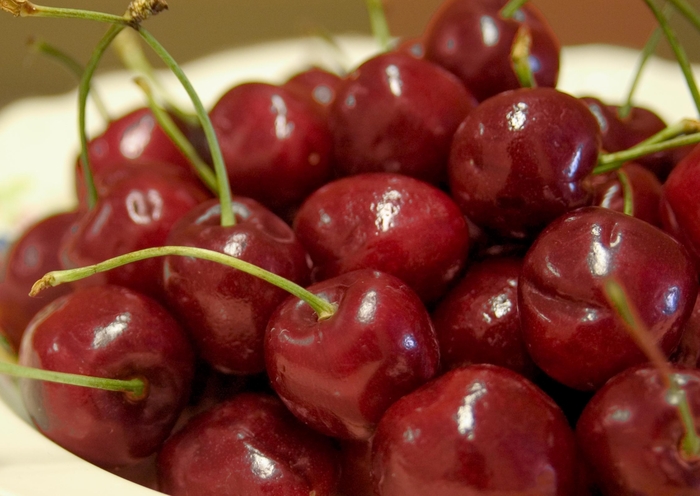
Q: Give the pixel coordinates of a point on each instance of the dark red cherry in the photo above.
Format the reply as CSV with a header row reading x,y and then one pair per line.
x,y
396,113
138,213
110,332
388,222
688,352
645,190
519,160
248,446
316,86
680,208
630,435
34,254
472,40
276,146
225,309
340,374
478,321
571,331
136,139
480,429
356,468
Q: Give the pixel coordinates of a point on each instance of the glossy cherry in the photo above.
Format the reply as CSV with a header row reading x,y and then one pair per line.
x,y
249,445
276,146
225,309
480,429
571,331
138,213
520,160
34,254
630,435
478,320
340,374
110,332
396,113
471,39
315,85
388,222
680,208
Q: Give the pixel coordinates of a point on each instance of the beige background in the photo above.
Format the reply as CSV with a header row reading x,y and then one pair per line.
x,y
192,28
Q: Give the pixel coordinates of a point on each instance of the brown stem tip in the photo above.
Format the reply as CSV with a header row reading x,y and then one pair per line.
x,y
140,10
15,7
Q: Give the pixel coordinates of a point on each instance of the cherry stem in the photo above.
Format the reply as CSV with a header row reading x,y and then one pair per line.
x,y
647,52
227,216
617,297
511,8
128,48
323,308
627,193
520,56
24,8
678,50
72,65
83,91
612,161
183,144
687,10
135,388
380,27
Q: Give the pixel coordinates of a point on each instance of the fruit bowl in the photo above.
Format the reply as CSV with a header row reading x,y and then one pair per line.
x,y
37,180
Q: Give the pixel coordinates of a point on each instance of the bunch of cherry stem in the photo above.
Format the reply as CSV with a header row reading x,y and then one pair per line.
x,y
616,296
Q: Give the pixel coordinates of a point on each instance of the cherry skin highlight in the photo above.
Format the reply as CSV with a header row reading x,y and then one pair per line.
x,y
520,160
480,429
339,374
571,331
111,332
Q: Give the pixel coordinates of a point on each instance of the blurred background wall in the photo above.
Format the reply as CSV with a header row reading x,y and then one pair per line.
x,y
192,28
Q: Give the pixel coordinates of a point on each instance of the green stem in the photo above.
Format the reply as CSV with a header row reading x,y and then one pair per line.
x,y
74,67
520,56
613,161
28,9
323,308
638,331
227,217
627,193
183,144
83,91
647,52
678,51
688,12
377,19
511,8
135,388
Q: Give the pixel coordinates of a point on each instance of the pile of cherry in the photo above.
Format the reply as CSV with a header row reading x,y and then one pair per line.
x,y
455,225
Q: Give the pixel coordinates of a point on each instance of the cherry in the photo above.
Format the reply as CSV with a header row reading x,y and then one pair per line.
x,y
480,429
276,146
316,85
107,331
688,352
519,160
570,330
356,467
645,190
30,257
340,374
478,321
680,208
630,435
138,212
388,222
226,310
396,113
474,41
247,446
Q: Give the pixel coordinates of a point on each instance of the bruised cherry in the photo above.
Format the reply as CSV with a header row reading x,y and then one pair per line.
x,y
110,332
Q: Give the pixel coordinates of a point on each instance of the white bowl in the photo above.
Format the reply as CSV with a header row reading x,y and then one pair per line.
x,y
39,143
